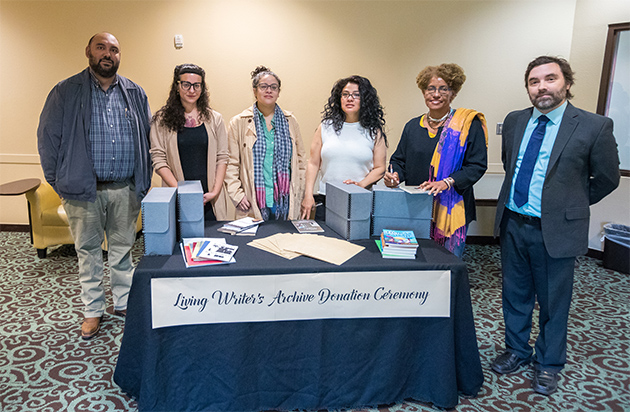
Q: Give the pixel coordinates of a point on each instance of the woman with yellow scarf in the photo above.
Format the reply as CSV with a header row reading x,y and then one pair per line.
x,y
444,152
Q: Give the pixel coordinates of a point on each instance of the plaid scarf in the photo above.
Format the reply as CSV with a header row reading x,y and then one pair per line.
x,y
281,170
449,215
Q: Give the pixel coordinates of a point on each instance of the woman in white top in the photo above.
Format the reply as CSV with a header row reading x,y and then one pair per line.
x,y
350,144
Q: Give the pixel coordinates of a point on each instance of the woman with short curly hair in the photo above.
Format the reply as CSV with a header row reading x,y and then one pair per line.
x,y
444,152
349,145
189,140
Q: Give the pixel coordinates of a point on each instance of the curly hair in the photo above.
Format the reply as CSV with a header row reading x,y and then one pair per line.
x,y
371,113
171,114
565,67
261,71
451,73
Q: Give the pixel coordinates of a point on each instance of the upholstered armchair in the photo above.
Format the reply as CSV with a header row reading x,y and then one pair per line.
x,y
48,220
49,223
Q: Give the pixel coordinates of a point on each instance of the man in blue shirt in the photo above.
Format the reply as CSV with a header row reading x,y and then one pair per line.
x,y
558,161
93,141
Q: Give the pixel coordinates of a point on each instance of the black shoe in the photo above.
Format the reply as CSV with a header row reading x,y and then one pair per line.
x,y
545,382
508,362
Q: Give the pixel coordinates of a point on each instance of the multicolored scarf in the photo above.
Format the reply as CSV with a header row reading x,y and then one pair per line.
x,y
449,215
281,171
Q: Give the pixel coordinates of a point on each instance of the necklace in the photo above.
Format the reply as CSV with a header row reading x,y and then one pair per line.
x,y
441,119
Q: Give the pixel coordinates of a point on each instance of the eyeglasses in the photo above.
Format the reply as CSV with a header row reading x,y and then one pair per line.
x,y
187,85
443,90
355,95
264,87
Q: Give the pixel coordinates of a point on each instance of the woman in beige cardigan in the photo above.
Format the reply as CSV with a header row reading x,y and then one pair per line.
x,y
189,140
266,169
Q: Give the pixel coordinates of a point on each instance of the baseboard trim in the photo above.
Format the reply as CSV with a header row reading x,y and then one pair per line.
x,y
594,253
14,228
482,240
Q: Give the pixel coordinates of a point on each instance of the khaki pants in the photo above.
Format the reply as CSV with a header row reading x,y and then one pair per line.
x,y
115,213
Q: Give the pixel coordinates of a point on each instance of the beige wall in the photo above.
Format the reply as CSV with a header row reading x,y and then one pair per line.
x,y
310,44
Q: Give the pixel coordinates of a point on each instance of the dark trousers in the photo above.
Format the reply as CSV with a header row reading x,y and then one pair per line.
x,y
530,274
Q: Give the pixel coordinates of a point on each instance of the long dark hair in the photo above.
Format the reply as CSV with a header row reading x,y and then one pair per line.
x,y
371,114
171,114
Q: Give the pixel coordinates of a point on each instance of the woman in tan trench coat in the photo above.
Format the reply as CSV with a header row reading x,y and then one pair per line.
x,y
266,168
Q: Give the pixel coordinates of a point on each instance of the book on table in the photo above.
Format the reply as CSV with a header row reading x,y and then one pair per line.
x,y
307,226
244,226
398,244
192,247
396,254
399,238
215,251
413,190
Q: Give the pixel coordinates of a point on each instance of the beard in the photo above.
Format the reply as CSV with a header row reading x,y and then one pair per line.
x,y
105,72
548,100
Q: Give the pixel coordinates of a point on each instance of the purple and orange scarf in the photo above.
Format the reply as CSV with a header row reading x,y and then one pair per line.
x,y
449,215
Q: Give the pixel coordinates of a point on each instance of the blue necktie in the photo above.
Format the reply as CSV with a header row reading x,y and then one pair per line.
x,y
521,188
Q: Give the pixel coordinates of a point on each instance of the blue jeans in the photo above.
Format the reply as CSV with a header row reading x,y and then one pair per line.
x,y
114,213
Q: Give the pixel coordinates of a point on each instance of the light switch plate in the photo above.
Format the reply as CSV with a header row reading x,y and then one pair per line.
x,y
179,41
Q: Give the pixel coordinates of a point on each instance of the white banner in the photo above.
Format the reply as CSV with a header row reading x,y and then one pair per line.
x,y
330,295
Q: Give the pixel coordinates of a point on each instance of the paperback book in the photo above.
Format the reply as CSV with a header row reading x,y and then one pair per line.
x,y
245,226
400,244
213,251
387,254
307,226
413,190
191,247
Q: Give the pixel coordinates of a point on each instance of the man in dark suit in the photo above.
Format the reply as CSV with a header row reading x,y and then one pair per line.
x,y
558,161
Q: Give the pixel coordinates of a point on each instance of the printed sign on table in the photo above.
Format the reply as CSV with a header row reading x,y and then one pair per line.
x,y
331,295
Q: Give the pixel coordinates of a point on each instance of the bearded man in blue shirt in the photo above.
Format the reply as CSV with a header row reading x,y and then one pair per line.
x,y
558,161
93,141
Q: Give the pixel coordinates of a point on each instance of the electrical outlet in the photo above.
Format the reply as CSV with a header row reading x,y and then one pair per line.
x,y
499,128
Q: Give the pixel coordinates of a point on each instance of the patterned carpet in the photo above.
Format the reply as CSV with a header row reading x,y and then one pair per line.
x,y
45,366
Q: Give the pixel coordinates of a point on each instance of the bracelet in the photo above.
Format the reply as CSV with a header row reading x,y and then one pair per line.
x,y
449,182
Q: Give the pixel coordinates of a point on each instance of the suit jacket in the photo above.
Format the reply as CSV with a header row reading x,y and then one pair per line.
x,y
583,169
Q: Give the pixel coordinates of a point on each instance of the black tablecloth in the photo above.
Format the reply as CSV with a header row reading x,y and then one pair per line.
x,y
287,365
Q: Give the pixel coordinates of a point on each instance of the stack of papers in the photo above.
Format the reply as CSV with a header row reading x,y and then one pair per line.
x,y
398,244
292,245
207,251
246,226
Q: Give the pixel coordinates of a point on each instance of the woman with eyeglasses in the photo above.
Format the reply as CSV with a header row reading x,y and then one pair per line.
x,y
265,174
443,151
350,144
189,140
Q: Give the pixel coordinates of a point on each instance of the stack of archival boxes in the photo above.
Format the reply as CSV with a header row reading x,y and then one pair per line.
x,y
356,213
162,207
